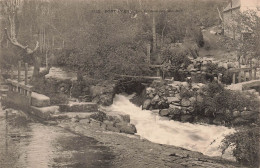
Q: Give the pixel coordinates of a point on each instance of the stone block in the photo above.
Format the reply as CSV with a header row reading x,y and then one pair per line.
x,y
40,100
44,112
173,99
79,107
67,115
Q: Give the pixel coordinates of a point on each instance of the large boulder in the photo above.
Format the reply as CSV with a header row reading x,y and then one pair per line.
x,y
146,104
126,128
103,93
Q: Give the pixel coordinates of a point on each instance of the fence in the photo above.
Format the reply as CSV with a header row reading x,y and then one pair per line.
x,y
241,74
18,86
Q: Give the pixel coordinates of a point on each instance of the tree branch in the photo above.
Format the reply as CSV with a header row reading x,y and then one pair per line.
x,y
219,14
14,41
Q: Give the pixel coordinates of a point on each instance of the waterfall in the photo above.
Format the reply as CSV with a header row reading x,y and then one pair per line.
x,y
196,137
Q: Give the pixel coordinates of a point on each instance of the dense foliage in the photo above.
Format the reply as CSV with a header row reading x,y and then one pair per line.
x,y
214,69
246,143
217,100
104,38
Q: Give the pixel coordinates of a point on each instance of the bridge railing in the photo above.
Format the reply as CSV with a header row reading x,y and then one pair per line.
x,y
18,86
241,74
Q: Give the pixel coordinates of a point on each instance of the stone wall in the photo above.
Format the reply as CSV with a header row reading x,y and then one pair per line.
x,y
180,101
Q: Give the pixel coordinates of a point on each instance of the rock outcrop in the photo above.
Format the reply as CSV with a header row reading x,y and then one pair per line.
x,y
103,93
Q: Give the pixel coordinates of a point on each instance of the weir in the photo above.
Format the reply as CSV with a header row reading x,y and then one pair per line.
x,y
196,137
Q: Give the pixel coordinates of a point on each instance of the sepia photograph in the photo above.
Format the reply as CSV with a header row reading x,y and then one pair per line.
x,y
129,83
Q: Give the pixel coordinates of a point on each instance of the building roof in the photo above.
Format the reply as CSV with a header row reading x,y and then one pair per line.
x,y
234,5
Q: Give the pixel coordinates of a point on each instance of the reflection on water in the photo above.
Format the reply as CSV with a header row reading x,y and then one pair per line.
x,y
28,144
196,137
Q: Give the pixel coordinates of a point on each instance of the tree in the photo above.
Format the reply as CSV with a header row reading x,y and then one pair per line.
x,y
12,8
247,26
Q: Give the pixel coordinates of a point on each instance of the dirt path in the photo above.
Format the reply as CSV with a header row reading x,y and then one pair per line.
x,y
131,151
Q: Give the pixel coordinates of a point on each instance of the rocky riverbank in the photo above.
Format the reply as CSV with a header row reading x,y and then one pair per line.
x,y
199,103
132,151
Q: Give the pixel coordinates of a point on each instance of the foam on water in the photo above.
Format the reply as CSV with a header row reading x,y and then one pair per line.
x,y
202,138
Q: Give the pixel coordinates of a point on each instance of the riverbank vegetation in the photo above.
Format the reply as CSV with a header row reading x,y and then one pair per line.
x,y
103,39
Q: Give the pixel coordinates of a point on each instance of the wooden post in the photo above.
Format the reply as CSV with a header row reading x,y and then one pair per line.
x,y
158,72
30,97
12,72
26,74
250,74
250,71
243,76
239,76
19,71
234,78
149,54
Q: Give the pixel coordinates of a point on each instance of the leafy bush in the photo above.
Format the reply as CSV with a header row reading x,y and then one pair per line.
x,y
215,70
177,55
246,142
216,99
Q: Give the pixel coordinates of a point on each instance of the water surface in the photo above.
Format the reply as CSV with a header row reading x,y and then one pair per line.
x,y
29,144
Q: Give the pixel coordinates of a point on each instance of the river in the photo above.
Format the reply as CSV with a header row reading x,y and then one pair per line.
x,y
26,143
196,137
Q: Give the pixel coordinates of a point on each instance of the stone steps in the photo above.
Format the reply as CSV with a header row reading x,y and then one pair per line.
x,y
87,107
69,115
44,112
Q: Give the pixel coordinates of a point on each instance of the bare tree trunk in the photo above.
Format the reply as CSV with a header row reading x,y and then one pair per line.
x,y
154,33
222,21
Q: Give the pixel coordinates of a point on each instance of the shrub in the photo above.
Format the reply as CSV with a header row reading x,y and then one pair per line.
x,y
216,99
215,70
246,143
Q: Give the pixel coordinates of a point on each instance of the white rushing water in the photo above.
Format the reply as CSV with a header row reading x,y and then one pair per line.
x,y
196,137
